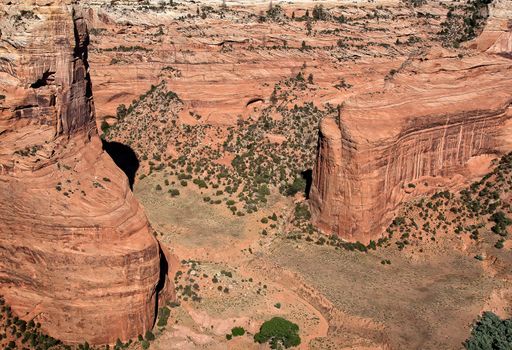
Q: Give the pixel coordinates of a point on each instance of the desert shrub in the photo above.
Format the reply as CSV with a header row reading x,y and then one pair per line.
x,y
104,126
200,183
163,316
302,212
417,3
298,185
227,273
238,331
319,13
499,244
174,192
501,221
278,332
150,336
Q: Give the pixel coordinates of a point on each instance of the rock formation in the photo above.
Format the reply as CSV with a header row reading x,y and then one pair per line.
x,y
436,114
76,253
220,63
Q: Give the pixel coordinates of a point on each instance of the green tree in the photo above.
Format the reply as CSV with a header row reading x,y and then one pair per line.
x,y
490,333
278,332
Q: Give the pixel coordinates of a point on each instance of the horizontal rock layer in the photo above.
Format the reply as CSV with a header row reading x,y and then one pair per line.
x,y
76,253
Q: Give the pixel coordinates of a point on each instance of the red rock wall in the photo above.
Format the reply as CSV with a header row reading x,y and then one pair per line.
x,y
76,253
366,160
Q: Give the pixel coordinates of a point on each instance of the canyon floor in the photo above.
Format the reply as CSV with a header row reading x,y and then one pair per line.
x,y
339,298
221,138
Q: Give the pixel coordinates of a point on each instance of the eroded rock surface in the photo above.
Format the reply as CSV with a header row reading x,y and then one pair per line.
x,y
76,253
431,119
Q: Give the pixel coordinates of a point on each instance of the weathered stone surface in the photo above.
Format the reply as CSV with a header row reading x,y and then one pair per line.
x,y
76,253
432,118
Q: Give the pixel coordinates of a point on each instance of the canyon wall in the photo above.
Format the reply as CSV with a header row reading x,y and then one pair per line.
x,y
434,116
76,253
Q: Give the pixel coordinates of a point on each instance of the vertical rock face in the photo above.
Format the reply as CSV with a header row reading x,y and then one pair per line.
x,y
435,116
76,253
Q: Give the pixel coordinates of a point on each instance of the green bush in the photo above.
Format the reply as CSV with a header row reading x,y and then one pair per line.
x,y
490,333
298,185
278,332
150,336
238,331
104,126
302,212
174,192
499,244
163,316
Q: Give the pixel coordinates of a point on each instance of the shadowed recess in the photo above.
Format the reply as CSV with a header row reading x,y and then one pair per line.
x,y
124,157
308,176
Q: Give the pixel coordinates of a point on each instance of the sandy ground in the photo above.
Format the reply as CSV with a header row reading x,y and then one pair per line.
x,y
340,299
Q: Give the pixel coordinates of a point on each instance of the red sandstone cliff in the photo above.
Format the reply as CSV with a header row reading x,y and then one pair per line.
x,y
435,115
76,253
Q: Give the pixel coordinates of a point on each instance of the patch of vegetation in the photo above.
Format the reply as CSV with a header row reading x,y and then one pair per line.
x,y
343,85
259,166
278,332
20,334
490,333
163,316
416,3
483,207
275,13
123,48
464,22
235,332
186,282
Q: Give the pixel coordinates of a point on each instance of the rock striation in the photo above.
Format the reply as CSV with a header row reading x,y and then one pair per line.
x,y
76,253
435,114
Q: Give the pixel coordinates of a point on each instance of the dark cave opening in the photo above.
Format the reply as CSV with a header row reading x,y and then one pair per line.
x,y
46,79
308,176
124,157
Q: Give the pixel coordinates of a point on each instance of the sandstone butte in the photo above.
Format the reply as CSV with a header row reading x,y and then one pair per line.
x,y
76,252
433,117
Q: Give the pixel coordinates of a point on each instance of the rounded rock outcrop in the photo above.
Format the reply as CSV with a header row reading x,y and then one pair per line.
x,y
76,252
